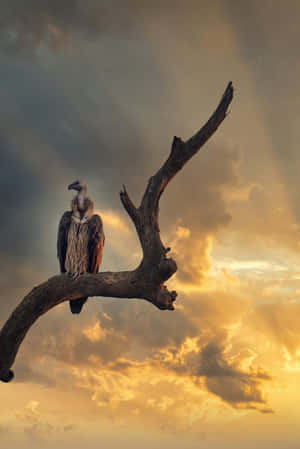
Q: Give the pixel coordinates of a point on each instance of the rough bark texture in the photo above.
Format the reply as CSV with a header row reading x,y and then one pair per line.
x,y
145,282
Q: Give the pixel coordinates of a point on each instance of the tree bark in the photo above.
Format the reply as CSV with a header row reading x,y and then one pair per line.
x,y
145,282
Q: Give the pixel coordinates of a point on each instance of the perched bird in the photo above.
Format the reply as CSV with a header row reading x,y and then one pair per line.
x,y
80,239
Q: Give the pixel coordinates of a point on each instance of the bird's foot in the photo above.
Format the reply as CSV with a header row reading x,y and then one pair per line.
x,y
76,275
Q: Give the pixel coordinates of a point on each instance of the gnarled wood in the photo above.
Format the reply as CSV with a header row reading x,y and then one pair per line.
x,y
145,282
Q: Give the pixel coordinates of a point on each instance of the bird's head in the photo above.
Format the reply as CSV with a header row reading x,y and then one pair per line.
x,y
77,185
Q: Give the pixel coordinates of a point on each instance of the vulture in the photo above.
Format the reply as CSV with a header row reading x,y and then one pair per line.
x,y
80,239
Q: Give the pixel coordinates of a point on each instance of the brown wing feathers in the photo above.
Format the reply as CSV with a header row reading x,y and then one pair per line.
x,y
62,239
95,243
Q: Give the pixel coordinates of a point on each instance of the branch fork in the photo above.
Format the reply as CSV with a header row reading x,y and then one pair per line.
x,y
145,282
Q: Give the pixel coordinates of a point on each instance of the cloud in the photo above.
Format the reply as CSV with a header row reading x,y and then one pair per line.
x,y
56,23
129,346
33,372
201,209
171,384
53,23
239,388
113,220
132,331
192,255
35,424
209,360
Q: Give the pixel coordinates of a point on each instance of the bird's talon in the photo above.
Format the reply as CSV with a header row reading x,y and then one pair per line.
x,y
77,275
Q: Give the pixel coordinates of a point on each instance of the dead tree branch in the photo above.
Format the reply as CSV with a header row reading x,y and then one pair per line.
x,y
145,282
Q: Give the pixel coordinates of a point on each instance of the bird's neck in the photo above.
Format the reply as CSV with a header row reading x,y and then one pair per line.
x,y
81,199
82,206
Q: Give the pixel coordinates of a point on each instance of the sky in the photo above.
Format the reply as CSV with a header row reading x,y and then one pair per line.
x,y
96,90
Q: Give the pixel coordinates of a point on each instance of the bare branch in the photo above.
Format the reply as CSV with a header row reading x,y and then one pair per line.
x,y
181,152
128,205
145,282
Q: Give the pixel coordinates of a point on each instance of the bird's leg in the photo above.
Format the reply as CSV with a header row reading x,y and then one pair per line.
x,y
73,275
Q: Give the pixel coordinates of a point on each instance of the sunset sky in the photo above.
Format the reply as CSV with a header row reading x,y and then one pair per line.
x,y
96,90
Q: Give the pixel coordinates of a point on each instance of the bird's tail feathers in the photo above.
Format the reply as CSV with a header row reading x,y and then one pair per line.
x,y
77,304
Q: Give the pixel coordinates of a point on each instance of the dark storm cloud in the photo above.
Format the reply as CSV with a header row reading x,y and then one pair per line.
x,y
209,359
227,381
25,25
49,137
222,377
19,186
28,24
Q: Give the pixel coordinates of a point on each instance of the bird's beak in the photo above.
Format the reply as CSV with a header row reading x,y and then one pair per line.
x,y
73,185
